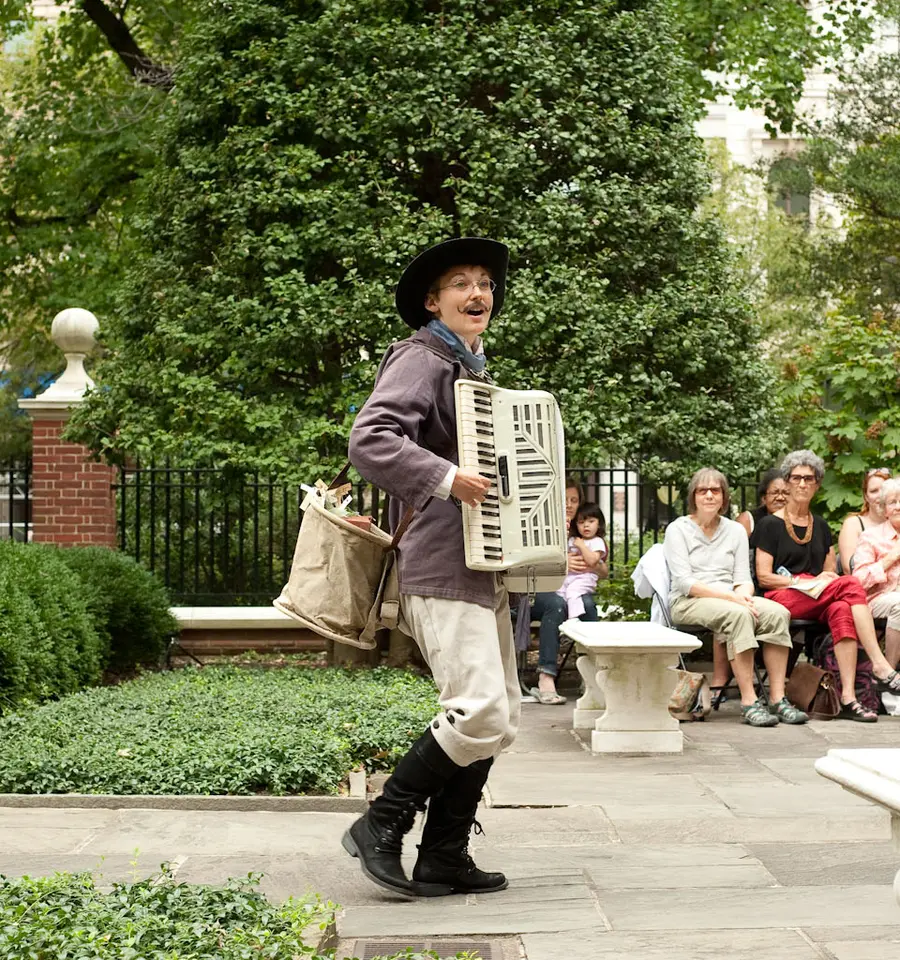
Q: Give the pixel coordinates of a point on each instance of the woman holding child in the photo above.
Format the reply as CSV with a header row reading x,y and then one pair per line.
x,y
709,567
796,566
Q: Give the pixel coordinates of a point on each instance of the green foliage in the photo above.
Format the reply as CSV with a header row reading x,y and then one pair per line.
x,y
48,643
615,597
128,605
759,54
217,731
308,152
855,157
843,392
75,135
70,915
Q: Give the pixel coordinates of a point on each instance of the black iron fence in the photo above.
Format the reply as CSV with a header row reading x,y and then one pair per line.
x,y
222,538
15,501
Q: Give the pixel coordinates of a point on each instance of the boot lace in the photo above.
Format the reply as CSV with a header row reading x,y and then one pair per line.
x,y
464,855
390,837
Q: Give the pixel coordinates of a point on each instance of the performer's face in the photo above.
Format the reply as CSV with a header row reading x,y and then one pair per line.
x,y
463,298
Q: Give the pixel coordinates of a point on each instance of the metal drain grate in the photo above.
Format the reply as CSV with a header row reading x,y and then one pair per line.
x,y
445,949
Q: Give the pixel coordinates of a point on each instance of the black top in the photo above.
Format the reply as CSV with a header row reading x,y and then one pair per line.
x,y
771,535
758,514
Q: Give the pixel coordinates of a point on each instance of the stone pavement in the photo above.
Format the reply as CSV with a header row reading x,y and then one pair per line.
x,y
735,849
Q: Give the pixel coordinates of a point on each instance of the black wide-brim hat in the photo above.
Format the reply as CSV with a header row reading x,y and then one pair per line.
x,y
418,277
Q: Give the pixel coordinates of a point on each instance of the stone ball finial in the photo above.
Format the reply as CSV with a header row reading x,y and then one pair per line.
x,y
75,330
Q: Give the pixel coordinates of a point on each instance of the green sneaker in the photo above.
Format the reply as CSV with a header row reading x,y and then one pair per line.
x,y
757,715
787,712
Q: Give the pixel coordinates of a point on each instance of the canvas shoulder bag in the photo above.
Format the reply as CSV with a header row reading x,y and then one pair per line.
x,y
343,583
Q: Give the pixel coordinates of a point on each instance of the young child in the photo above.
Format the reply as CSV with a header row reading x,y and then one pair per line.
x,y
586,533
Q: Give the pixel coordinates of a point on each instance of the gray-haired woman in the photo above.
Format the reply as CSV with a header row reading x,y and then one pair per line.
x,y
795,565
709,568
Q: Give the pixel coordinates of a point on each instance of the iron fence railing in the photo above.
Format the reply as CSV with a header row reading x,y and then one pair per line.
x,y
217,537
15,500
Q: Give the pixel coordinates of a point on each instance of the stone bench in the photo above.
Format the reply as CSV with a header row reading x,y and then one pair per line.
x,y
873,774
224,630
627,680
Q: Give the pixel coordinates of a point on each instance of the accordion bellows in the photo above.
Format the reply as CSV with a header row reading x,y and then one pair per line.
x,y
515,439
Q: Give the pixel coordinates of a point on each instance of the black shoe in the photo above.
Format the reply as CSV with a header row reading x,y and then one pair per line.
x,y
888,684
378,848
854,710
444,865
376,839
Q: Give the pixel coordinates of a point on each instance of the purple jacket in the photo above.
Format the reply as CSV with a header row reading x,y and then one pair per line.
x,y
404,441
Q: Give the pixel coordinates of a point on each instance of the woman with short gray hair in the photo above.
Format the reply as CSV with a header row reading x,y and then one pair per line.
x,y
877,567
796,566
709,569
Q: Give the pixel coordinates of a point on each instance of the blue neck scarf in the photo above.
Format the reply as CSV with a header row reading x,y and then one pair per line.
x,y
471,361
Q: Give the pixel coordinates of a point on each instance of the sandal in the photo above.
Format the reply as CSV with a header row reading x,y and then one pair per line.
x,y
854,710
718,695
757,715
547,697
787,712
889,684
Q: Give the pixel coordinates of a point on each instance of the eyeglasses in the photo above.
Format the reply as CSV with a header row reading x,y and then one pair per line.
x,y
774,494
715,491
798,478
463,286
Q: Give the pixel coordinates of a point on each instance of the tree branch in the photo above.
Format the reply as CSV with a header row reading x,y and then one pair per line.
x,y
14,219
120,38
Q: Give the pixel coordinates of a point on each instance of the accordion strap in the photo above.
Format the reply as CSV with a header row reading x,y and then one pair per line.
x,y
341,479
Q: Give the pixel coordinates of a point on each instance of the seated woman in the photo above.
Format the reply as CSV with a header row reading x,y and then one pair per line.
x,y
709,569
871,515
771,493
552,610
877,567
793,549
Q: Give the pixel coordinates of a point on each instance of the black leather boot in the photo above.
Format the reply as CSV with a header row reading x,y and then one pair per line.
x,y
377,836
444,865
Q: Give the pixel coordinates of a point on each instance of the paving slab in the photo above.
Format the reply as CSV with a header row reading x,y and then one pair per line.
x,y
167,833
639,867
530,904
687,909
864,950
865,824
820,864
596,944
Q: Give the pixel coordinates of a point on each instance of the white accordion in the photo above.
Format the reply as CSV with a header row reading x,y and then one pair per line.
x,y
515,439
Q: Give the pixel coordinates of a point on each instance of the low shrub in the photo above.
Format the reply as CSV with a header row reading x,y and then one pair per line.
x,y
48,643
129,606
68,916
219,730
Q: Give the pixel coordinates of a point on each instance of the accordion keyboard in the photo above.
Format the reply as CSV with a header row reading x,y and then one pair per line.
x,y
515,439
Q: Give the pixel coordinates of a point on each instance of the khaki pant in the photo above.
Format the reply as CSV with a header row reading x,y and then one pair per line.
x,y
886,606
472,657
735,622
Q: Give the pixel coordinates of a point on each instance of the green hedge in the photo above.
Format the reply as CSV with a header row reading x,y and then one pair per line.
x,y
66,615
128,604
217,730
49,644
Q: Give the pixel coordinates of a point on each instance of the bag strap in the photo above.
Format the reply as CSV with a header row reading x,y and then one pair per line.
x,y
342,478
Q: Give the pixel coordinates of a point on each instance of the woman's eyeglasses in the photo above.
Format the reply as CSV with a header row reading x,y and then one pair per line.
x,y
715,491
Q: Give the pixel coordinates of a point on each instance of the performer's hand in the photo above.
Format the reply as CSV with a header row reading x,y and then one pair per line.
x,y
470,487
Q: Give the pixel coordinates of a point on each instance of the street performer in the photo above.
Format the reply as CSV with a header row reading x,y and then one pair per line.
x,y
404,441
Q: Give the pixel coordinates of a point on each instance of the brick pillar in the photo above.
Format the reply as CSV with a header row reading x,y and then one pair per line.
x,y
72,499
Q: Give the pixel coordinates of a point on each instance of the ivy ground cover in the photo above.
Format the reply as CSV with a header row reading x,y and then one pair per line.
x,y
217,730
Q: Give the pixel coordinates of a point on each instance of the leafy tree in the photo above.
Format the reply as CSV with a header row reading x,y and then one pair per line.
x,y
760,53
74,132
309,152
843,393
